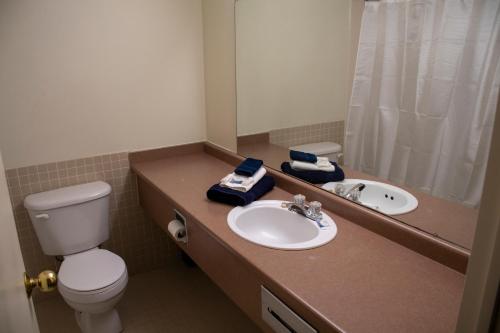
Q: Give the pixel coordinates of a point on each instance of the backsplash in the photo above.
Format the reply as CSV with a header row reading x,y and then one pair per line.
x,y
288,137
134,237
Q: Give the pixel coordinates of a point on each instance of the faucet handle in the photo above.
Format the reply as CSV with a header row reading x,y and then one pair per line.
x,y
299,200
315,207
339,189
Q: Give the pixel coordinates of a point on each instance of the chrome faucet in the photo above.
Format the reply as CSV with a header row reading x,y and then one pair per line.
x,y
355,192
310,210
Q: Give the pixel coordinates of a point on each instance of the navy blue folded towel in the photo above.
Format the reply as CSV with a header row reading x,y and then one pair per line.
x,y
313,176
301,156
237,198
248,167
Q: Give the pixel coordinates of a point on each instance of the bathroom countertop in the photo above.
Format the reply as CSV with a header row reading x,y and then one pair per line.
x,y
448,220
359,282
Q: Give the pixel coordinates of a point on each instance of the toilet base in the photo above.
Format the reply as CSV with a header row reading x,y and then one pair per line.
x,y
106,322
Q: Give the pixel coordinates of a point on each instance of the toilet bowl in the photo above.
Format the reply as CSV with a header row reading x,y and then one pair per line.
x,y
72,222
92,283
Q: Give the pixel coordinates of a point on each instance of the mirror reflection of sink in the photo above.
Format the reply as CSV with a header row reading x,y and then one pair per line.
x,y
385,198
266,223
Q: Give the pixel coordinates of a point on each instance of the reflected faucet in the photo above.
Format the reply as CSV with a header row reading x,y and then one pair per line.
x,y
355,192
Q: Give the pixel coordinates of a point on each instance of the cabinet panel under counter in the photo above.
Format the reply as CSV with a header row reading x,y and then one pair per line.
x,y
238,280
359,282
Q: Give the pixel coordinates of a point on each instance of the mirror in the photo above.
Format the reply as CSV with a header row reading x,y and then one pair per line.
x,y
406,117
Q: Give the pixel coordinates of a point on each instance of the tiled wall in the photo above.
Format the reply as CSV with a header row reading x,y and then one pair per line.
x,y
288,137
137,239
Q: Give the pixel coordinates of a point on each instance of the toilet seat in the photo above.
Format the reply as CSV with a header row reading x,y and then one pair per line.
x,y
92,276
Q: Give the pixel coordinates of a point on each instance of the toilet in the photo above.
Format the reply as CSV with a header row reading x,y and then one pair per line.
x,y
72,222
332,150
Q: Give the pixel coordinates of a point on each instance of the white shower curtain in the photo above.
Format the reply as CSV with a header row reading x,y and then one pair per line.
x,y
424,94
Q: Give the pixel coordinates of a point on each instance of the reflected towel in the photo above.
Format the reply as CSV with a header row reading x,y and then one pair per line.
x,y
301,156
306,166
323,161
315,177
248,167
237,198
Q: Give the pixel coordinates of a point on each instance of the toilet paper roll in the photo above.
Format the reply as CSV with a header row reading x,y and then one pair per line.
x,y
177,230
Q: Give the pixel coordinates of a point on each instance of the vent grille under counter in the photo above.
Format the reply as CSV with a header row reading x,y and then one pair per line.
x,y
280,317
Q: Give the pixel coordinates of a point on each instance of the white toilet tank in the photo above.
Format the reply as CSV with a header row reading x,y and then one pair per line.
x,y
70,219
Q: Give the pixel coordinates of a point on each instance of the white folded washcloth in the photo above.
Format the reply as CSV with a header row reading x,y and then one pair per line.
x,y
323,162
302,166
242,183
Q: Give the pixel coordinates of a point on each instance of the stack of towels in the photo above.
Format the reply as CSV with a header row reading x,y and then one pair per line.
x,y
311,168
246,184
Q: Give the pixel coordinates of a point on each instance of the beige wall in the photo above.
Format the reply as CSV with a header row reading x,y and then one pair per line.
x,y
292,61
220,85
82,78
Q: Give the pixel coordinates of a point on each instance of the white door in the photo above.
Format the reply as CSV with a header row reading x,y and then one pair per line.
x,y
17,314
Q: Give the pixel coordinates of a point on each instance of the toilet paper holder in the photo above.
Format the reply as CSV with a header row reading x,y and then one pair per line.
x,y
179,217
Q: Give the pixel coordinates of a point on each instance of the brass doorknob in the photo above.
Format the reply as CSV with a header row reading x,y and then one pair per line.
x,y
46,281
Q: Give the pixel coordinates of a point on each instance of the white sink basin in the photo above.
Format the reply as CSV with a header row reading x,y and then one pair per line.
x,y
266,223
385,198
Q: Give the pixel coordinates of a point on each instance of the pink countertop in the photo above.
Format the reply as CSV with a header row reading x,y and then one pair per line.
x,y
359,282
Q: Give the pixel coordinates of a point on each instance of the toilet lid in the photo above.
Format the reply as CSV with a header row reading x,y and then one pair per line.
x,y
91,270
319,148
